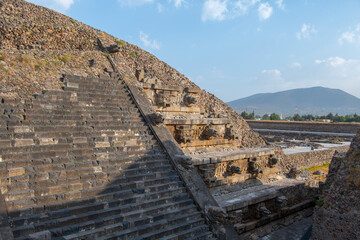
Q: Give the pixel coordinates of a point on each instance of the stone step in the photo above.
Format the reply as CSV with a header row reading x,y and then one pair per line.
x,y
102,92
82,106
73,152
81,117
75,98
108,157
157,229
27,126
33,179
7,175
96,89
63,174
103,217
121,199
78,102
85,204
78,79
205,235
27,199
153,220
198,233
121,125
109,81
50,138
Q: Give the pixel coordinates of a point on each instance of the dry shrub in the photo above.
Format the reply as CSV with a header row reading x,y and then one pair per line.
x,y
65,58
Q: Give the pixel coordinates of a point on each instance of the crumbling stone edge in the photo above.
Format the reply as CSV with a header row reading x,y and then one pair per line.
x,y
192,180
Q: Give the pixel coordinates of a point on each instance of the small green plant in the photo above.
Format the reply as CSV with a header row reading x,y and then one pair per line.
x,y
341,193
120,42
3,57
133,54
37,67
316,167
24,27
319,202
73,21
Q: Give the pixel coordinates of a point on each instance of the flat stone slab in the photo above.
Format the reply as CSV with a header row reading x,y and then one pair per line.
x,y
178,109
252,195
216,157
199,121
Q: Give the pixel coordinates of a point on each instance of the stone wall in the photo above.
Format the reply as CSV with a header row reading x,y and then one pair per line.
x,y
338,213
306,126
310,159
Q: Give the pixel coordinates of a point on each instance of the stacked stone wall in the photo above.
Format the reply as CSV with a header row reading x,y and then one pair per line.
x,y
314,158
306,126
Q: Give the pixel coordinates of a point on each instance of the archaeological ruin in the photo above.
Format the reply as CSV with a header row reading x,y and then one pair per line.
x,y
101,140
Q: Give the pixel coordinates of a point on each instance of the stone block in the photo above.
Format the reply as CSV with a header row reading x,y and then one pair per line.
x,y
72,85
97,169
48,141
14,172
102,144
23,129
72,195
5,143
24,142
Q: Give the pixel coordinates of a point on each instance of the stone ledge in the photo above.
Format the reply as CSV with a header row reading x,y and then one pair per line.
x,y
198,121
216,157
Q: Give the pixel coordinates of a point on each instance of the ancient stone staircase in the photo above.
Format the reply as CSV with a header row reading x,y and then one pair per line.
x,y
83,164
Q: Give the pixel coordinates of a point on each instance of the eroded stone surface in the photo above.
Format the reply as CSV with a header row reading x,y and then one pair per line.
x,y
338,214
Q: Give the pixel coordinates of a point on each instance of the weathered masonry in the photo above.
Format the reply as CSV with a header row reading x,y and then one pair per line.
x,y
101,140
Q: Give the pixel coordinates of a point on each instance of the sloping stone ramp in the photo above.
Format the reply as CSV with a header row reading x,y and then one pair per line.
x,y
82,164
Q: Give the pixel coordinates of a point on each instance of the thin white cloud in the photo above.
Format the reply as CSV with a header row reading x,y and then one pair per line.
x,y
219,10
145,40
134,3
272,72
265,11
351,36
160,7
296,65
306,31
280,4
57,5
335,62
214,10
178,3
241,7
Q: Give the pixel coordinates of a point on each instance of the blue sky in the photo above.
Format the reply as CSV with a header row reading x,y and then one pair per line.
x,y
236,48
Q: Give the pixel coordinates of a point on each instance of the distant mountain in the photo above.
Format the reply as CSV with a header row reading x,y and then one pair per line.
x,y
315,100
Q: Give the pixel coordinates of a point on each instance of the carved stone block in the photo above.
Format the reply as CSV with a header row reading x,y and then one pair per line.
x,y
209,133
157,118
